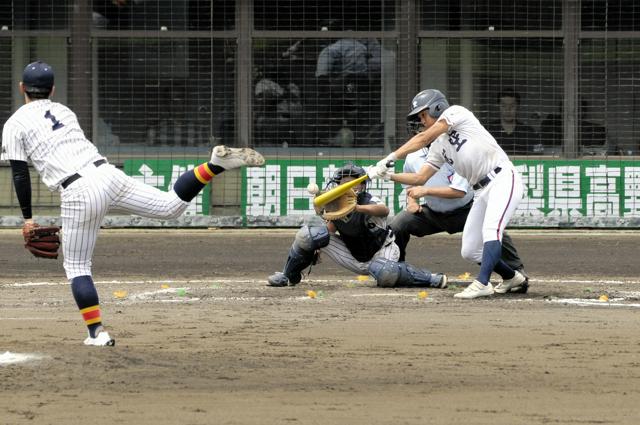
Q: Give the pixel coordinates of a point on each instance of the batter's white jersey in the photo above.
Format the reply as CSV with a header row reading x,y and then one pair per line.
x,y
445,177
470,149
48,133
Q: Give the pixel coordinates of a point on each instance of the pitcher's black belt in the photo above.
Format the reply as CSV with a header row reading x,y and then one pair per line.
x,y
486,179
76,176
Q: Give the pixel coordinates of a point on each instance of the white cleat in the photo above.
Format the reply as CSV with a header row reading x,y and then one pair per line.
x,y
517,280
101,340
230,158
475,290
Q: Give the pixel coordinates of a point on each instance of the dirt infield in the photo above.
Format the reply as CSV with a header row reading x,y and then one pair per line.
x,y
202,340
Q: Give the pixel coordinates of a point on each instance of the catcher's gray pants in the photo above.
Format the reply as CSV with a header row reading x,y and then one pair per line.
x,y
338,252
86,201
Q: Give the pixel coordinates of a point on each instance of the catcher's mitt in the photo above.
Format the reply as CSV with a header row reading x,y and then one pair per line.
x,y
42,242
340,207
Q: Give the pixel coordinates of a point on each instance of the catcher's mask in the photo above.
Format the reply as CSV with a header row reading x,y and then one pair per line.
x,y
431,100
348,170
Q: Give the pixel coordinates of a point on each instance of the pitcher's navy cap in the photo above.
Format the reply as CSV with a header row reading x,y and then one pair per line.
x,y
38,77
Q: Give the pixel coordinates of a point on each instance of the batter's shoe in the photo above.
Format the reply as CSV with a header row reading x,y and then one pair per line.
x,y
278,279
102,339
441,281
505,286
475,290
230,158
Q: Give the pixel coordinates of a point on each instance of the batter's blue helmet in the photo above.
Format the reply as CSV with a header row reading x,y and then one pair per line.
x,y
431,100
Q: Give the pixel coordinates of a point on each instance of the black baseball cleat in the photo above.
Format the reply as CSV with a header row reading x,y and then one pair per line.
x,y
522,288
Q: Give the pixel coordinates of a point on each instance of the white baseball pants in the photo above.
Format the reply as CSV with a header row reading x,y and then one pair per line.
x,y
493,207
86,201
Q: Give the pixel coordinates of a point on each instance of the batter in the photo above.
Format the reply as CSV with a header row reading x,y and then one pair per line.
x,y
475,155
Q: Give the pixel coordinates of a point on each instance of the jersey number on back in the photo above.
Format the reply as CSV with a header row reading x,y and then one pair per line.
x,y
56,124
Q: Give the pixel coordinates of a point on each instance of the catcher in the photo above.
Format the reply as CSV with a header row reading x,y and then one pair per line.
x,y
355,236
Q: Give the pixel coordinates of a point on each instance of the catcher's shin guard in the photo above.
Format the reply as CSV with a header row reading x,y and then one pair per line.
x,y
389,273
301,255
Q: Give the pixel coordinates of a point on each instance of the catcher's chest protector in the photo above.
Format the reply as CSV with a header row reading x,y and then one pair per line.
x,y
362,238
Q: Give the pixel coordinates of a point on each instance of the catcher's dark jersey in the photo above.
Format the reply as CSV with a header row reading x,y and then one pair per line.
x,y
363,234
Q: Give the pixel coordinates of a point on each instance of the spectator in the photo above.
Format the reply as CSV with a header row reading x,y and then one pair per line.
x,y
592,136
278,112
515,137
343,83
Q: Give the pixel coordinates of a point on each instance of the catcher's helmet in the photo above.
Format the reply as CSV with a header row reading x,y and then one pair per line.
x,y
348,170
431,100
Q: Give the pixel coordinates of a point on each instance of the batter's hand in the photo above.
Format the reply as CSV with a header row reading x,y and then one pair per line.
x,y
389,159
387,175
376,171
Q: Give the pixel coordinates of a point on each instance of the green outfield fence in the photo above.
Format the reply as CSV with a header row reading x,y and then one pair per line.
x,y
312,84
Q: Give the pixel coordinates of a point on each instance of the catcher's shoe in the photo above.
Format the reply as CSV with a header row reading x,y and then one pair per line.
x,y
102,339
517,280
521,289
475,290
278,279
230,158
441,281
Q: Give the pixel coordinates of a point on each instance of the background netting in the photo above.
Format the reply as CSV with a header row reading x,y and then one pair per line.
x,y
156,83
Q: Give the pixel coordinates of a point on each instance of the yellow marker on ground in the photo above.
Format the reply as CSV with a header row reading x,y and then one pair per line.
x,y
120,294
363,278
464,276
164,286
422,295
311,294
603,298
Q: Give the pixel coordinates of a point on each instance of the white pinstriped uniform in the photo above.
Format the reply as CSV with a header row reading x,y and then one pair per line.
x,y
49,135
338,251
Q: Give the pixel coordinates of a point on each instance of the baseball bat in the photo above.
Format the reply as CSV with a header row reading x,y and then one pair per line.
x,y
338,191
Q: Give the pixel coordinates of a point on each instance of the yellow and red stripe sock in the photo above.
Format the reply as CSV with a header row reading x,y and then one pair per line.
x,y
86,296
189,184
92,316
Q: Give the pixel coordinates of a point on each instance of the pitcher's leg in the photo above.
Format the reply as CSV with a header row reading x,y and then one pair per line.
x,y
83,207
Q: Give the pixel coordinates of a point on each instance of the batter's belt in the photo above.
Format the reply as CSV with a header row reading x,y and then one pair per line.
x,y
486,179
76,176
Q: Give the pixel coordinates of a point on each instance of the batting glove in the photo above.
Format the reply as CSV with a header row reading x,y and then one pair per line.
x,y
389,159
374,172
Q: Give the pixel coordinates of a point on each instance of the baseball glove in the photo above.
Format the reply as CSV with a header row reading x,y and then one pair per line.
x,y
42,242
340,207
